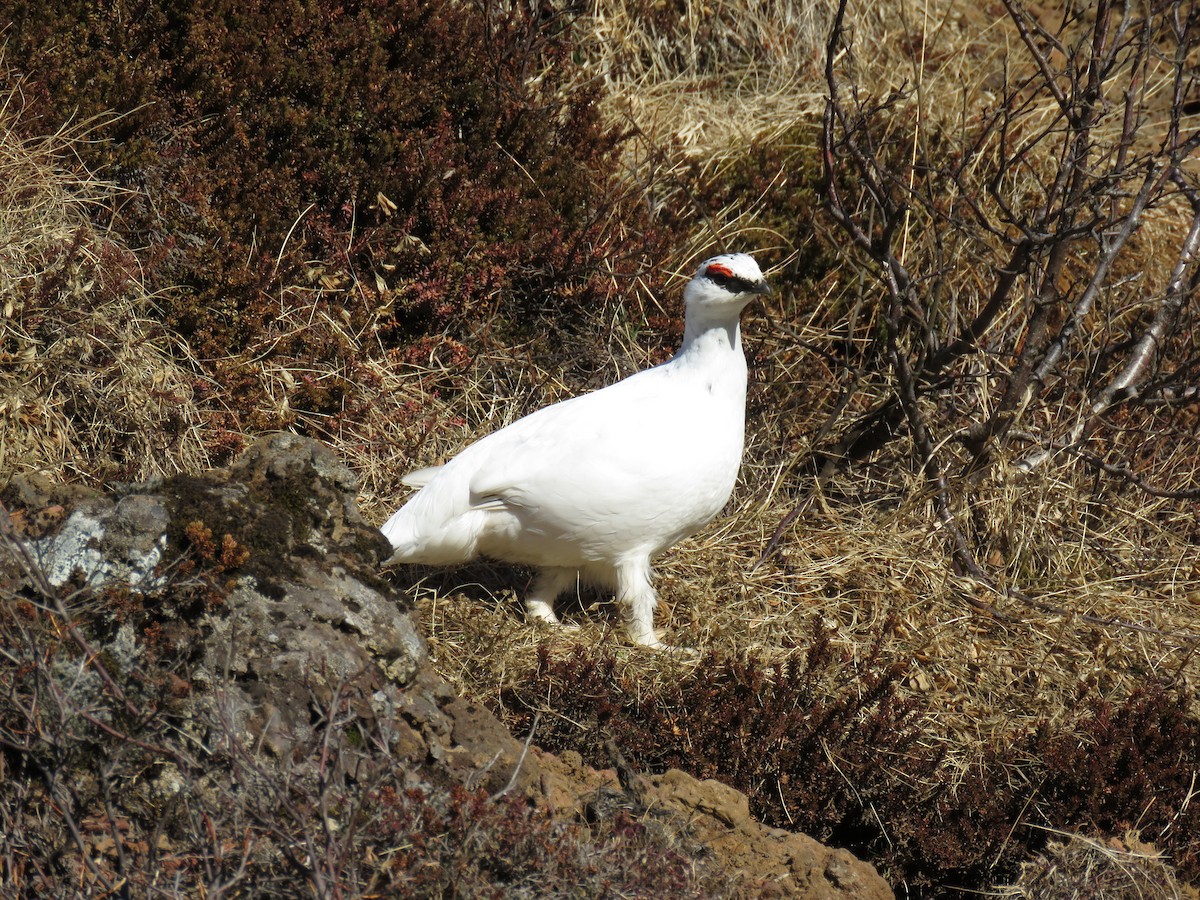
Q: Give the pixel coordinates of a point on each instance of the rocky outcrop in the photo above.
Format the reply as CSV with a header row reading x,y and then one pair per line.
x,y
302,615
759,861
264,578
775,862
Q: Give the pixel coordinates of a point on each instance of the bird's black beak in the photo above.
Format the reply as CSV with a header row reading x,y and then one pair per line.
x,y
762,289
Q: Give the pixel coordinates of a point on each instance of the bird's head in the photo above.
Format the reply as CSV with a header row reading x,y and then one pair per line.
x,y
732,280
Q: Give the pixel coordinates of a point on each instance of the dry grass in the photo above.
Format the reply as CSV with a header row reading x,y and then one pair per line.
x,y
90,387
1075,867
853,565
1086,556
706,78
698,82
853,560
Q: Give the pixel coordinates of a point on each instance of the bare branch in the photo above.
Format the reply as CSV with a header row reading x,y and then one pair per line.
x,y
1181,287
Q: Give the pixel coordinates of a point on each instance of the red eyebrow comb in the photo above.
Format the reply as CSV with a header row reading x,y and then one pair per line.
x,y
719,269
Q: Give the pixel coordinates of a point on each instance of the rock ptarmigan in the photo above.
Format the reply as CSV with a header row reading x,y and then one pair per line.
x,y
596,486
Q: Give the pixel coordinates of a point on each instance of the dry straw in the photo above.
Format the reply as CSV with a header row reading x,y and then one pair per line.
x,y
90,386
1115,573
1076,866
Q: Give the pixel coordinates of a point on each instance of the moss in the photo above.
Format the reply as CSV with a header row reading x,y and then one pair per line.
x,y
266,524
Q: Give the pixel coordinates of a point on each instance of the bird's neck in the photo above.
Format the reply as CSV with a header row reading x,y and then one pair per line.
x,y
707,333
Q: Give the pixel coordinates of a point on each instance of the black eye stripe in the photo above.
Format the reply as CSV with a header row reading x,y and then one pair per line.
x,y
732,282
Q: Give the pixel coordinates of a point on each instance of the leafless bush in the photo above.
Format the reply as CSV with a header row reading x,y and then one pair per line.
x,y
1036,256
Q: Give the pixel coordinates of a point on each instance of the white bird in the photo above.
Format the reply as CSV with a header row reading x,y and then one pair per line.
x,y
597,486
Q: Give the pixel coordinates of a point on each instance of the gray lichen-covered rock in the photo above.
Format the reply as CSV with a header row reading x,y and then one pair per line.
x,y
103,542
262,577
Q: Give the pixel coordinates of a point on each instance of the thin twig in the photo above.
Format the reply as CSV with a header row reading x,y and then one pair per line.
x,y
512,782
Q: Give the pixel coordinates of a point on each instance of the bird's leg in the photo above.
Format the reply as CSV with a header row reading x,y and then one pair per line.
x,y
636,599
539,602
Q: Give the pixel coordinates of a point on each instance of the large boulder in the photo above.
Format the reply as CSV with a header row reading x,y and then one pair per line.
x,y
292,610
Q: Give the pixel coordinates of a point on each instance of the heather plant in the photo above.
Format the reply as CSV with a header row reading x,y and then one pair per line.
x,y
851,764
339,160
809,758
1132,765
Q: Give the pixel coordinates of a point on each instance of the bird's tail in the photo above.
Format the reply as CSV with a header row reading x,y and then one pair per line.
x,y
421,533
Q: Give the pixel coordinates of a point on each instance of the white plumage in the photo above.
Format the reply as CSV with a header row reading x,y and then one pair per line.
x,y
596,486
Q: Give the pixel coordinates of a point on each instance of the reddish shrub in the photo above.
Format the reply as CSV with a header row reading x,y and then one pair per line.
x,y
851,768
424,168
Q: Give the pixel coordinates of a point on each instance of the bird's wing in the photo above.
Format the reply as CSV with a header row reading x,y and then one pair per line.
x,y
571,465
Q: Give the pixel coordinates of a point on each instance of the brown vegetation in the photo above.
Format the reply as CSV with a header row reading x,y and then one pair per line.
x,y
953,607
